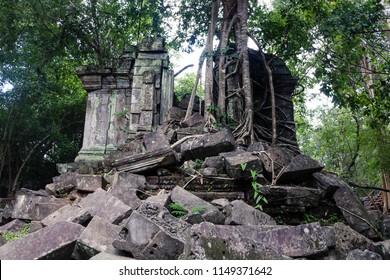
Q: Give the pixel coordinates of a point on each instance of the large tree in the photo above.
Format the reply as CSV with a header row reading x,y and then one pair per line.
x,y
341,45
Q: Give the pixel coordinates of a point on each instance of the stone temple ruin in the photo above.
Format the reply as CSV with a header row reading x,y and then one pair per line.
x,y
134,97
148,185
137,97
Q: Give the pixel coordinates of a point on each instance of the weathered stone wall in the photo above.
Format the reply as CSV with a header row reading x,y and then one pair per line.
x,y
126,100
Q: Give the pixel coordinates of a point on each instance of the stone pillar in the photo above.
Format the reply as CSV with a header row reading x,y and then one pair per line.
x,y
152,90
108,109
125,101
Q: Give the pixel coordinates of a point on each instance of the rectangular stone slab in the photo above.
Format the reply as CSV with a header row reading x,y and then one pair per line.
x,y
146,161
299,169
190,201
102,204
89,183
208,145
293,241
55,242
97,237
207,241
125,186
29,206
70,213
153,234
155,140
291,196
239,165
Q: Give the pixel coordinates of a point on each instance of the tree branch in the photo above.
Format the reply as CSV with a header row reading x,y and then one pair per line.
x,y
182,69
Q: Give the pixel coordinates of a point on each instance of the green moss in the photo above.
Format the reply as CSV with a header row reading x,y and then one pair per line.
x,y
12,236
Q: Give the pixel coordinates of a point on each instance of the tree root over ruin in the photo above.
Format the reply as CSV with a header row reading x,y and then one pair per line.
x,y
244,131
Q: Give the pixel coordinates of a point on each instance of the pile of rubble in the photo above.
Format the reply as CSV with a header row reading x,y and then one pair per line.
x,y
176,195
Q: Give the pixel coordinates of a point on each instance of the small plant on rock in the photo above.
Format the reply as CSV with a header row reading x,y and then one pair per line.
x,y
258,196
178,210
12,236
198,210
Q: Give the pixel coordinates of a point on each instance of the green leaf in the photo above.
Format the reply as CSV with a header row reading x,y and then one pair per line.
x,y
178,210
253,174
198,210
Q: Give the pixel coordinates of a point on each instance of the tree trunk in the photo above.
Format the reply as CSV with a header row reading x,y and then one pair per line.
x,y
193,93
208,96
386,195
357,149
25,160
228,21
244,132
222,69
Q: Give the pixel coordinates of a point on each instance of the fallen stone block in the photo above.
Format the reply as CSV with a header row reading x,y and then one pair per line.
x,y
152,233
285,166
89,183
30,206
216,162
24,207
207,241
191,201
54,242
189,131
44,209
208,145
274,160
146,161
294,196
358,254
154,141
220,203
208,172
328,182
70,213
14,225
195,120
6,215
294,241
239,164
176,113
108,256
102,204
161,199
299,169
354,211
240,213
59,190
68,178
97,237
125,186
62,184
35,226
346,240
